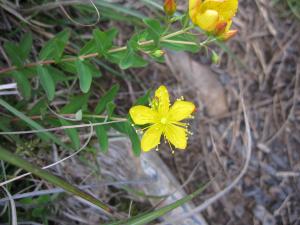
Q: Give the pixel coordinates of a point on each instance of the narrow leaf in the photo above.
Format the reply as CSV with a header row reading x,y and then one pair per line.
x,y
26,45
146,218
75,104
23,84
84,75
155,30
108,97
132,60
72,133
101,134
54,48
127,129
103,42
46,81
13,53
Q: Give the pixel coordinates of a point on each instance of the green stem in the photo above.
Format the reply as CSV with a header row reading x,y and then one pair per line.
x,y
93,55
57,181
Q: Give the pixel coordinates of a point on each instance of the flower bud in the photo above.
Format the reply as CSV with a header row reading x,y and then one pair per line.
x,y
220,28
215,58
157,53
228,35
170,7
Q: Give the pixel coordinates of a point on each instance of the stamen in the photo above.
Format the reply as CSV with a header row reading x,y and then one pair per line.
x,y
180,124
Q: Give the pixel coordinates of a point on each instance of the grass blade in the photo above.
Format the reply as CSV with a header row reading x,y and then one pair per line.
x,y
148,217
57,181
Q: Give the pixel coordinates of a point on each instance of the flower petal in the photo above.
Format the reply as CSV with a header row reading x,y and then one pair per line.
x,y
142,115
162,100
226,8
194,8
181,110
176,135
208,20
151,137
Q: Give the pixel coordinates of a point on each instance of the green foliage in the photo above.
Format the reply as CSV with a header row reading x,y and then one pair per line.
x,y
105,99
101,133
143,100
23,84
18,53
46,81
295,7
84,75
128,129
72,133
182,47
155,30
146,218
104,40
54,48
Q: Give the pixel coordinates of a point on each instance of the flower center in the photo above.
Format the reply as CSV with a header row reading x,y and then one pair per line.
x,y
163,120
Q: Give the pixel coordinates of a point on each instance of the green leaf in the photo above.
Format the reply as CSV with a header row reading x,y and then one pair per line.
x,y
127,128
104,40
70,67
39,108
110,107
4,126
88,48
143,100
76,103
72,133
155,30
85,76
132,60
183,47
116,57
18,53
57,75
26,45
54,48
23,84
101,134
46,81
108,97
13,53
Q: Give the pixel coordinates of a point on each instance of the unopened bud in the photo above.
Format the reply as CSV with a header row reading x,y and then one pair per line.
x,y
170,7
157,53
215,58
228,35
220,28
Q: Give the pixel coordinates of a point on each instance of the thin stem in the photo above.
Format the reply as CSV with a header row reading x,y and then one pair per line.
x,y
93,55
39,117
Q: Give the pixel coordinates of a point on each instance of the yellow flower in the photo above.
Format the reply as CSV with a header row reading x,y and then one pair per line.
x,y
163,120
214,16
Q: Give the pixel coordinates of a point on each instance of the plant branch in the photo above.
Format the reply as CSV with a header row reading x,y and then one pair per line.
x,y
93,55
